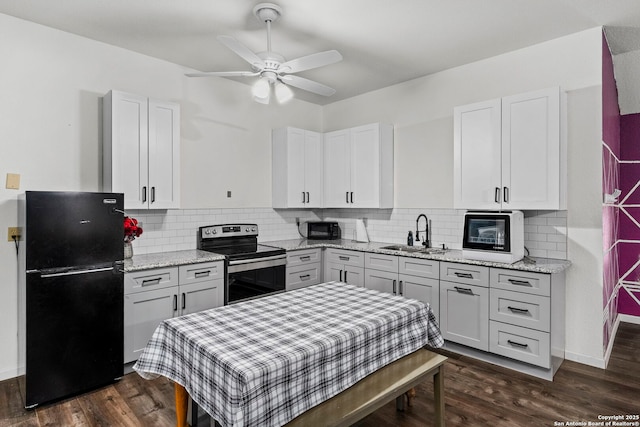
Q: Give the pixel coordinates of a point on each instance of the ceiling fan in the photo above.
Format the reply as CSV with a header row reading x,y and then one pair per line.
x,y
272,67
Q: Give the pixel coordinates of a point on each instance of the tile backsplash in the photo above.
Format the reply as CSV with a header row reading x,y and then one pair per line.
x,y
172,230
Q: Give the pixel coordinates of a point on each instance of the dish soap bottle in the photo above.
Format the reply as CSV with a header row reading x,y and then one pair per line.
x,y
410,239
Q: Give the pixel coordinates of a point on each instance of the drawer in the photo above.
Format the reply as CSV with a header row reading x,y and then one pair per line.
x,y
464,273
194,273
525,345
516,308
303,275
419,267
521,281
344,257
156,278
303,256
381,262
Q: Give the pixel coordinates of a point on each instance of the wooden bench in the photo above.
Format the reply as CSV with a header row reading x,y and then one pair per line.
x,y
367,395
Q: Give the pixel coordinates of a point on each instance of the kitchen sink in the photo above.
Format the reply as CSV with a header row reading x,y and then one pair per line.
x,y
413,249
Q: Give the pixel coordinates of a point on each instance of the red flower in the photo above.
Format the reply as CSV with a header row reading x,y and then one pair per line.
x,y
131,229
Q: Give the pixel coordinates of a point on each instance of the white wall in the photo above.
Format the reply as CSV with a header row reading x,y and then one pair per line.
x,y
421,111
51,84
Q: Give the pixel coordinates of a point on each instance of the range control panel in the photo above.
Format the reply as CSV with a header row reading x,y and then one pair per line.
x,y
228,230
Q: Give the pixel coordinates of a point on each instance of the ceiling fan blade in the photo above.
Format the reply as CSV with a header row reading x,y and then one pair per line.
x,y
242,51
223,74
311,61
308,85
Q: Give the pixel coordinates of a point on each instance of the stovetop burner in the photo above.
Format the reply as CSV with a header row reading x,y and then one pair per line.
x,y
236,241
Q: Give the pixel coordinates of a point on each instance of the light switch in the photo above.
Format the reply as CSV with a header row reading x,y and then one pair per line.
x,y
13,181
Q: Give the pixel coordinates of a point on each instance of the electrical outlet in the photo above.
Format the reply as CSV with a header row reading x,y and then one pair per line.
x,y
13,181
13,231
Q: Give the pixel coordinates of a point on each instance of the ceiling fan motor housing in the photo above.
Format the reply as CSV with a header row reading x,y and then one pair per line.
x,y
267,12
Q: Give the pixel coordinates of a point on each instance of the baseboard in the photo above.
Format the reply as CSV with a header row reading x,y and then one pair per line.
x,y
585,360
612,338
629,319
11,373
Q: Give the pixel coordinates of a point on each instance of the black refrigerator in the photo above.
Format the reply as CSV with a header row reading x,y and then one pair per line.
x,y
73,250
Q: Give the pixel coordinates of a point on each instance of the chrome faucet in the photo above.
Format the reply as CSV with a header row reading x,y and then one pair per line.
x,y
425,242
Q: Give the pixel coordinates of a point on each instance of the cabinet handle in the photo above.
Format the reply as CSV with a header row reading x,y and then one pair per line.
x,y
307,197
518,310
341,275
466,291
352,197
505,196
345,276
305,277
305,258
347,195
343,258
496,196
155,281
184,300
202,274
153,194
517,344
175,303
394,287
520,282
303,197
401,290
464,275
144,194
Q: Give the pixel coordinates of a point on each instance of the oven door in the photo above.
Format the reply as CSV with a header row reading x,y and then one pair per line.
x,y
252,278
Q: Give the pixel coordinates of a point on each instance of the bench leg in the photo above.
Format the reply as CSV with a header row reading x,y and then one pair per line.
x,y
400,403
182,401
438,396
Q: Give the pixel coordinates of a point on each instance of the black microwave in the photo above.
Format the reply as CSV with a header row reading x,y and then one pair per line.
x,y
323,230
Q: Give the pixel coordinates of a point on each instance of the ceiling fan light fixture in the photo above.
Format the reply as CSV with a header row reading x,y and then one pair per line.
x,y
283,93
261,90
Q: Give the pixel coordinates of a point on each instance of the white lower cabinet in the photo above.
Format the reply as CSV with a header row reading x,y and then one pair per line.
x,y
344,266
304,268
423,289
464,317
152,296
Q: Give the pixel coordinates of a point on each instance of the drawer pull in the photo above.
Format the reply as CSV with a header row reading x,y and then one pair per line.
x,y
305,258
202,273
343,258
465,291
464,275
305,277
394,287
520,282
401,291
517,344
151,281
175,303
518,310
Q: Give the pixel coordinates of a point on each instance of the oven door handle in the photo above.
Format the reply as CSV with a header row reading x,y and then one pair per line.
x,y
257,263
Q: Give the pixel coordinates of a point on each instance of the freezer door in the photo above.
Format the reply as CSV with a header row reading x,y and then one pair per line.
x,y
73,229
74,333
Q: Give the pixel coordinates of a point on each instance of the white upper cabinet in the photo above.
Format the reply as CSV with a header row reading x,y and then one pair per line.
x,y
296,168
509,153
141,156
358,167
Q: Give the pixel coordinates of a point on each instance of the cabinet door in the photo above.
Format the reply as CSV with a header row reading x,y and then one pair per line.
x,y
337,169
464,314
200,296
383,281
354,275
125,147
143,312
423,289
531,150
313,169
333,272
365,167
164,155
476,155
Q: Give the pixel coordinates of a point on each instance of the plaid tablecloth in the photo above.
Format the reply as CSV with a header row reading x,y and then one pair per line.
x,y
265,361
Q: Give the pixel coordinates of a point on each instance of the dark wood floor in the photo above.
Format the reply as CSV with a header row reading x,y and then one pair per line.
x,y
477,394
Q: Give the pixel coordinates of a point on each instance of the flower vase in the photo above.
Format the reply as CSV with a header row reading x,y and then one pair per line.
x,y
128,250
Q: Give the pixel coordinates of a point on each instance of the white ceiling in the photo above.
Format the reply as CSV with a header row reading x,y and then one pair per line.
x,y
383,42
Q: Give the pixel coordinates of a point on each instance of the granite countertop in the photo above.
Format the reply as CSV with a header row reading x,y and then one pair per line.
x,y
533,264
169,259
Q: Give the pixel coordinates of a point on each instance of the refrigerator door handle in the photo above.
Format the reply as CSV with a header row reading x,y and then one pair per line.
x,y
74,272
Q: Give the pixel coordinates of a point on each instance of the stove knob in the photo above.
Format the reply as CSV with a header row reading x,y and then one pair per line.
x,y
247,229
207,231
253,229
214,231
